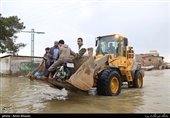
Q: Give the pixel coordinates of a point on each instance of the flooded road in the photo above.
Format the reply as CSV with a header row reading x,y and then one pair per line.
x,y
20,95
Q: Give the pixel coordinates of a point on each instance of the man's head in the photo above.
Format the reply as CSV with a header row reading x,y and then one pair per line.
x,y
111,44
79,41
47,49
61,42
56,44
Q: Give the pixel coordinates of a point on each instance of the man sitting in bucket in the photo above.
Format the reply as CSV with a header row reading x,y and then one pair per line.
x,y
65,53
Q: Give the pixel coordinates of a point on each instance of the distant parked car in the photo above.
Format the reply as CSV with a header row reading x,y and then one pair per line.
x,y
167,66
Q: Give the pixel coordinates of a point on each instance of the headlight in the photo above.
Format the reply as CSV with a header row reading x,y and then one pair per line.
x,y
117,36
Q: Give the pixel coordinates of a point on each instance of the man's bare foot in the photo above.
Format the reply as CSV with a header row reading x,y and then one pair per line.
x,y
44,77
59,80
50,78
38,77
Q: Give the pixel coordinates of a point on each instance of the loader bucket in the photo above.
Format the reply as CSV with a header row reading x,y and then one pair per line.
x,y
83,77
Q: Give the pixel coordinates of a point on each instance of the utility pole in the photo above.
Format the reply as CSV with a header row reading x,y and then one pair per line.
x,y
32,44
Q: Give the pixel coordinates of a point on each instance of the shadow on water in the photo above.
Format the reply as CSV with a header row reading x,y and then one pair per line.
x,y
127,102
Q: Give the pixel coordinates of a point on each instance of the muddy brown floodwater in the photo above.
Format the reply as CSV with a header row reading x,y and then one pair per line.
x,y
20,95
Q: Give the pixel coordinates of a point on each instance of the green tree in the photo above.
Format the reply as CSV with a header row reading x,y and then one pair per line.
x,y
9,27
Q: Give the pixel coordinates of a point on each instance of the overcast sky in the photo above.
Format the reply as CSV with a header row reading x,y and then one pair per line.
x,y
145,24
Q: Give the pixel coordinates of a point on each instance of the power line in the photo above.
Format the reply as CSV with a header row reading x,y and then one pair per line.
x,y
60,13
49,12
41,12
28,9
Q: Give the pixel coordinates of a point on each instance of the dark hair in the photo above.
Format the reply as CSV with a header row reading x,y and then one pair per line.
x,y
80,39
61,41
56,42
47,48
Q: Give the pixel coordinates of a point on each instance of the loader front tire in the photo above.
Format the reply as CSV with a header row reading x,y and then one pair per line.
x,y
138,80
109,83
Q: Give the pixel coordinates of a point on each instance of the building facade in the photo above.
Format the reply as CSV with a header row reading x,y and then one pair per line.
x,y
18,65
151,59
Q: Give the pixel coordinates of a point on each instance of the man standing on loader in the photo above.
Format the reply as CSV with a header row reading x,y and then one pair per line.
x,y
81,46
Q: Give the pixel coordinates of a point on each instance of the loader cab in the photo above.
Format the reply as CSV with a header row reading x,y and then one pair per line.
x,y
111,44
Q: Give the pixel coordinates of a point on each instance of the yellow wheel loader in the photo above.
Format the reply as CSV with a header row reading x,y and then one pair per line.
x,y
115,64
112,65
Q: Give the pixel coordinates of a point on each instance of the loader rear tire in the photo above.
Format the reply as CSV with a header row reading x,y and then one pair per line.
x,y
109,83
138,80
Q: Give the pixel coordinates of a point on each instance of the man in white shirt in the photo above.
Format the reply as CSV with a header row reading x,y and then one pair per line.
x,y
81,45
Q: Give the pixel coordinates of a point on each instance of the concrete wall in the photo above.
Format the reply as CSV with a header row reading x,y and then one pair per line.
x,y
5,65
137,57
18,65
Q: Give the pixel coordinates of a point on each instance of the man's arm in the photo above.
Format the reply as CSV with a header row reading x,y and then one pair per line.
x,y
80,54
44,57
50,54
72,52
41,62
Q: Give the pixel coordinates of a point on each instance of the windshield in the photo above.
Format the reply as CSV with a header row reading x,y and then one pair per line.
x,y
108,45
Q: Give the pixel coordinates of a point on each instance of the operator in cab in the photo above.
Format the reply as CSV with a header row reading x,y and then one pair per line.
x,y
111,48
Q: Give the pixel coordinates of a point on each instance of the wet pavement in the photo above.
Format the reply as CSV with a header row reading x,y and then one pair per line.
x,y
20,95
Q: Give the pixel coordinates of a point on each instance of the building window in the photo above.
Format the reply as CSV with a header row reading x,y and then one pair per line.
x,y
149,60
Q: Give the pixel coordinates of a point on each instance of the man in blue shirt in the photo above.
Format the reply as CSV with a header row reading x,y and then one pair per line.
x,y
54,53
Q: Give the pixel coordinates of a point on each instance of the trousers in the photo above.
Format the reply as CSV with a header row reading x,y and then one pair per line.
x,y
54,66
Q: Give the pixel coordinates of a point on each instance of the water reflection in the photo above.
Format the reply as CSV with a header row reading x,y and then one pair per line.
x,y
20,95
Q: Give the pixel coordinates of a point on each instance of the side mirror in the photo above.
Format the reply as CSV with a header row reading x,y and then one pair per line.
x,y
96,42
125,42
